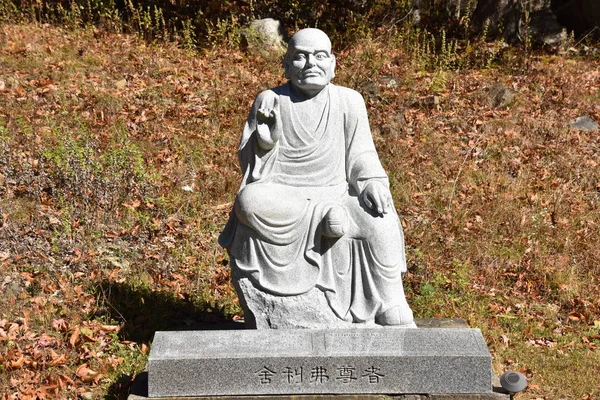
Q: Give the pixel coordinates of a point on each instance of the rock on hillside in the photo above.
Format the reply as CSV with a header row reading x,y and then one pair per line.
x,y
548,19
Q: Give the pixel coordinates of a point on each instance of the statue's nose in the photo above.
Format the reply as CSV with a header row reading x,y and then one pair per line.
x,y
311,60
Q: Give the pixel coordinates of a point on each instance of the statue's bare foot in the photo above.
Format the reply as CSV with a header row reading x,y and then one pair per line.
x,y
395,317
336,222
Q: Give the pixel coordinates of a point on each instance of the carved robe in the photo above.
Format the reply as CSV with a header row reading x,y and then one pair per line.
x,y
275,233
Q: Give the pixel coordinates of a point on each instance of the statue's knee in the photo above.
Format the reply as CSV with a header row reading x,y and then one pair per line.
x,y
269,202
247,203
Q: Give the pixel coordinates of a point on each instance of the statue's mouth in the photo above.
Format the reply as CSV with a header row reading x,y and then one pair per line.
x,y
311,74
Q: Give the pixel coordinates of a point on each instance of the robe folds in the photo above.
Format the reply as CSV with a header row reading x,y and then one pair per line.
x,y
275,234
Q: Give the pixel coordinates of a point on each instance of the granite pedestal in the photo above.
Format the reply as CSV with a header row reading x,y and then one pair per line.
x,y
341,361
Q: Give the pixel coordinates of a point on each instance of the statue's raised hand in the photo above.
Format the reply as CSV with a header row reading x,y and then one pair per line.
x,y
377,197
268,122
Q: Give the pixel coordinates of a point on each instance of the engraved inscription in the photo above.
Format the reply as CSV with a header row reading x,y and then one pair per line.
x,y
346,374
265,375
373,375
319,375
293,375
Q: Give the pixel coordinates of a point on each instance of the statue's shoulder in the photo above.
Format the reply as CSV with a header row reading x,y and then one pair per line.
x,y
273,92
348,95
346,91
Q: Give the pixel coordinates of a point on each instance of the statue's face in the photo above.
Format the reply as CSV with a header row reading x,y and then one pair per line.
x,y
309,64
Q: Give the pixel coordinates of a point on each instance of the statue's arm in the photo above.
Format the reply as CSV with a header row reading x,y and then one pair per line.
x,y
365,172
261,132
267,119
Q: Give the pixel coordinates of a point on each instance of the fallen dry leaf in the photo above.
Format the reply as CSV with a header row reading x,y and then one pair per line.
x,y
576,316
74,337
58,359
87,374
46,340
110,328
18,363
60,325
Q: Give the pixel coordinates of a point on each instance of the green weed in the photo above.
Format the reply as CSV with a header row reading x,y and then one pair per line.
x,y
9,11
224,32
92,178
188,36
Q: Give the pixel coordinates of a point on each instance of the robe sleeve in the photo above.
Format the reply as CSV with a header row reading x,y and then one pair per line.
x,y
255,161
362,161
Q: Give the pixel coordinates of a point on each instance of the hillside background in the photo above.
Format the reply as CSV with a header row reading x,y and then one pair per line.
x,y
119,125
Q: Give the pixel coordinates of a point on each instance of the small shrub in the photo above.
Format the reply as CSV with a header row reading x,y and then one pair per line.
x,y
92,178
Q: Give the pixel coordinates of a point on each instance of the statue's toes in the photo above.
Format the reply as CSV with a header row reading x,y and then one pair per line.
x,y
336,222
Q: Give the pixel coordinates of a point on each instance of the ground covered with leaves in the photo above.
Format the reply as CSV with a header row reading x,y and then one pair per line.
x,y
118,168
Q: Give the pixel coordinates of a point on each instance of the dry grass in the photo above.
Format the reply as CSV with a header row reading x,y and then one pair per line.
x,y
100,132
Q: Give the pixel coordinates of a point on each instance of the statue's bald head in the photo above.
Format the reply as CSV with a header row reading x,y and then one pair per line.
x,y
309,38
308,63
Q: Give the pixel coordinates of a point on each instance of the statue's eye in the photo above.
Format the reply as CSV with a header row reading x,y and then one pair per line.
x,y
321,56
299,57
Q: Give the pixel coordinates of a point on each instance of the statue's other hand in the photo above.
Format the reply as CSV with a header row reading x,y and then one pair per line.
x,y
377,197
268,122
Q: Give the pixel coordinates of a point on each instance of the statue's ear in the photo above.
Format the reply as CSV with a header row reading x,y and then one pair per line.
x,y
332,66
286,67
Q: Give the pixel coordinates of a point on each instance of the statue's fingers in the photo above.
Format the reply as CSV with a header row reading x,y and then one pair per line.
x,y
375,199
378,196
368,201
263,103
380,203
384,204
387,202
267,103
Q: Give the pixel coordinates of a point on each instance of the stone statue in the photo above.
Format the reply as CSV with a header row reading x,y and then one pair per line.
x,y
314,214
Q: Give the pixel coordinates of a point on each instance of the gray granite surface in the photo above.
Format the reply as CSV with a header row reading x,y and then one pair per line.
x,y
341,361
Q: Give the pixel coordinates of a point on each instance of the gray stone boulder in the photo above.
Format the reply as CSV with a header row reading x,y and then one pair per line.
x,y
265,311
545,29
505,18
497,96
585,123
578,15
264,36
499,18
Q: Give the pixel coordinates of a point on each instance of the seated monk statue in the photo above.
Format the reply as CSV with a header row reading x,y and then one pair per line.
x,y
314,209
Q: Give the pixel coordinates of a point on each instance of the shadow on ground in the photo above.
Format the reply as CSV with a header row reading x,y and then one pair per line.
x,y
143,312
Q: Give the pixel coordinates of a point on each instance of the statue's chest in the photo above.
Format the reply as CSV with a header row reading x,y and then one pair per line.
x,y
310,114
311,150
310,123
